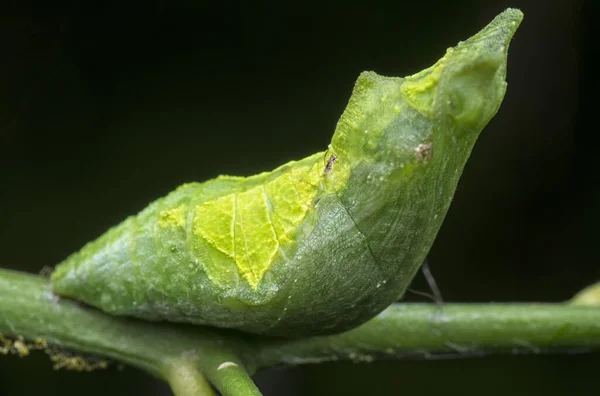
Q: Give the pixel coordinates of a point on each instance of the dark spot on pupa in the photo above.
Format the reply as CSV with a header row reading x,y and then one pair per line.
x,y
424,152
330,163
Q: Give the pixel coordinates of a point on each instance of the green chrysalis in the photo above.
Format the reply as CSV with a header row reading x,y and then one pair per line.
x,y
318,245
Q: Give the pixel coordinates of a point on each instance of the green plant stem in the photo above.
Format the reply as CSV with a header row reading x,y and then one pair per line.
x,y
187,357
185,379
414,330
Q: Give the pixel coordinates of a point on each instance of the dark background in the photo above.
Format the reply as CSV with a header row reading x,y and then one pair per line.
x,y
106,108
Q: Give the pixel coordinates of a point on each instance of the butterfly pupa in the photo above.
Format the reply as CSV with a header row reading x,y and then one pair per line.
x,y
310,247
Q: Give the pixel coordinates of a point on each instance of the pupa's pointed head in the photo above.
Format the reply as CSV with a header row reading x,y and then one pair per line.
x,y
468,83
453,100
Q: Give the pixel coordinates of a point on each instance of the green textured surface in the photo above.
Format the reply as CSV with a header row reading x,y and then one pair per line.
x,y
366,224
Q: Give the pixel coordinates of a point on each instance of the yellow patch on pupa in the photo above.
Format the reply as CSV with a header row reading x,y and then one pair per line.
x,y
419,89
214,221
251,226
172,217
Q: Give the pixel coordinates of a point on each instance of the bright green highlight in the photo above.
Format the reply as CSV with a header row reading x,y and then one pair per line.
x,y
172,217
419,89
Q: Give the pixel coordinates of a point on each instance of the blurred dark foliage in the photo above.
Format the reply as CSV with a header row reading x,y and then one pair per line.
x,y
104,108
